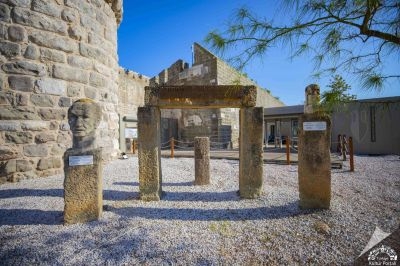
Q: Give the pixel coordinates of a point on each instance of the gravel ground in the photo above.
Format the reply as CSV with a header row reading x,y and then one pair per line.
x,y
201,225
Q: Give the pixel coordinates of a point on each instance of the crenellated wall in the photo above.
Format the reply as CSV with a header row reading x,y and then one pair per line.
x,y
53,52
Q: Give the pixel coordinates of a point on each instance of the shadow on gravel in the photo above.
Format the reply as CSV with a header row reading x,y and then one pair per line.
x,y
167,184
201,196
260,213
17,193
30,217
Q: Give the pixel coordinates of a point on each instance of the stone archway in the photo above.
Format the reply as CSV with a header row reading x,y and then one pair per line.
x,y
194,97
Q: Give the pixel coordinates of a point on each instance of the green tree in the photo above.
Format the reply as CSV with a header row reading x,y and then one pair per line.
x,y
352,36
337,95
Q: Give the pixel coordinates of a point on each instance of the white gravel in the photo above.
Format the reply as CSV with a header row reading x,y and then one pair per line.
x,y
201,225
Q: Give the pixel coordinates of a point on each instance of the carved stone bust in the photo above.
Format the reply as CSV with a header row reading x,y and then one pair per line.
x,y
312,98
84,117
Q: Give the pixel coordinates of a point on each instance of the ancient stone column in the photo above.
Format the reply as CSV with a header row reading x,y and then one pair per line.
x,y
314,162
202,160
83,191
251,152
149,153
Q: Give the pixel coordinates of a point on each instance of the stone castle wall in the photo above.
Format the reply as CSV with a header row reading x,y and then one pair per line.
x,y
54,52
130,92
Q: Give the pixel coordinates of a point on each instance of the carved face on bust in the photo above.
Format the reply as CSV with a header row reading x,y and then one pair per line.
x,y
84,117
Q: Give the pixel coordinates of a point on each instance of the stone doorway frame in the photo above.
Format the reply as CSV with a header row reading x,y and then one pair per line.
x,y
201,97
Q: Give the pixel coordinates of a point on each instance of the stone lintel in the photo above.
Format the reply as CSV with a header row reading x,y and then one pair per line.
x,y
201,97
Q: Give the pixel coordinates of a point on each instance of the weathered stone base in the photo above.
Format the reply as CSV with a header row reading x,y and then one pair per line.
x,y
251,152
314,168
149,153
202,160
83,189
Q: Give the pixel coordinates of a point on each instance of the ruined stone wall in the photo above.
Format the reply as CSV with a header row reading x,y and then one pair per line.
x,y
131,92
54,52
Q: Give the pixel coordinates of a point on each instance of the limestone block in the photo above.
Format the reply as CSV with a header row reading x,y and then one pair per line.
x,y
97,80
42,100
77,33
70,74
314,166
83,191
80,62
25,68
22,99
251,152
92,24
53,41
102,69
23,166
82,6
93,52
9,167
33,19
44,137
17,33
19,137
51,86
74,90
70,15
21,83
91,92
6,98
18,113
32,52
9,49
64,126
52,114
47,7
34,125
4,13
202,160
57,149
149,153
37,150
48,163
22,3
52,55
8,153
64,102
10,125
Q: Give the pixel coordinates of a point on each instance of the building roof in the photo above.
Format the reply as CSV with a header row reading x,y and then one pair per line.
x,y
292,110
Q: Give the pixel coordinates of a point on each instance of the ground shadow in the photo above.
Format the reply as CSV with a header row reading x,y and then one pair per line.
x,y
167,184
18,193
201,196
30,217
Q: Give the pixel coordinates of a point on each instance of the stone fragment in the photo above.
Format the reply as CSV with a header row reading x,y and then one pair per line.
x,y
48,163
7,153
52,55
19,137
42,100
21,83
17,33
53,41
51,86
10,125
33,19
47,7
9,49
70,74
25,68
23,166
202,160
52,114
18,113
31,52
44,137
34,125
37,150
4,13
64,102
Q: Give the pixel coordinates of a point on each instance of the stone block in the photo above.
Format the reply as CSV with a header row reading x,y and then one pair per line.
x,y
44,137
64,102
53,41
18,113
21,83
17,33
9,49
57,149
74,90
52,114
102,69
92,24
37,20
70,74
23,166
64,126
82,6
48,163
70,15
80,62
52,55
149,153
6,98
8,167
251,152
93,52
8,153
4,13
25,68
97,80
21,3
202,160
34,125
36,150
83,188
314,163
10,125
22,99
19,137
51,86
91,92
47,7
77,33
42,100
32,52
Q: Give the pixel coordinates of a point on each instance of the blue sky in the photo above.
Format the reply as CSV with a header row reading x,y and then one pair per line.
x,y
154,34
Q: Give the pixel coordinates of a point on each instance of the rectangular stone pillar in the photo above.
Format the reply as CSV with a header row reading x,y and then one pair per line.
x,y
83,189
314,169
202,160
149,153
251,152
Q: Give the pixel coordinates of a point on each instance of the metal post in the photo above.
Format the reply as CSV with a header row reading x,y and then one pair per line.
x,y
172,144
288,151
351,154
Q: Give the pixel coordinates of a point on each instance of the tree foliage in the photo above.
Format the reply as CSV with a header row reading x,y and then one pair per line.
x,y
353,36
337,95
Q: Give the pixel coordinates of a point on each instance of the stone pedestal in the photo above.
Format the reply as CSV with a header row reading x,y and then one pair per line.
x,y
314,169
83,190
149,153
202,160
251,152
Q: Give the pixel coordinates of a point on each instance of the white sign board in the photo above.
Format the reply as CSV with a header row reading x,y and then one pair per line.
x,y
131,133
314,126
81,160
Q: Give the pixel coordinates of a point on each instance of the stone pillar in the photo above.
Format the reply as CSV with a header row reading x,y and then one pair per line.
x,y
83,189
149,153
314,169
251,152
202,160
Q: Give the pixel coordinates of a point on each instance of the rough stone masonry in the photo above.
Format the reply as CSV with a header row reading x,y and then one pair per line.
x,y
53,52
